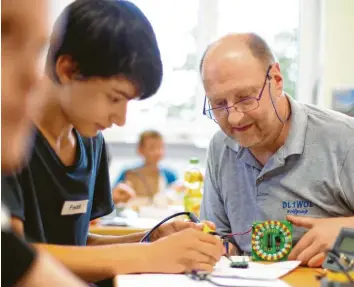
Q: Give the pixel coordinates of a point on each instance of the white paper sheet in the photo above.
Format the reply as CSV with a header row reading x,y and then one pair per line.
x,y
257,275
255,270
170,280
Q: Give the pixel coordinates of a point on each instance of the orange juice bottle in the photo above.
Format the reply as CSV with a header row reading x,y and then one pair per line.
x,y
193,183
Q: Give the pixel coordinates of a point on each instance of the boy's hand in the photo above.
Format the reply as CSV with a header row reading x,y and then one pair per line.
x,y
184,251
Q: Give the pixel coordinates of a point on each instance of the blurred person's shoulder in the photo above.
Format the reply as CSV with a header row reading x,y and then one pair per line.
x,y
136,167
128,170
169,173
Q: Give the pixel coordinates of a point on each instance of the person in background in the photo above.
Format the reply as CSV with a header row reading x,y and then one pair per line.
x,y
274,158
149,178
104,55
23,36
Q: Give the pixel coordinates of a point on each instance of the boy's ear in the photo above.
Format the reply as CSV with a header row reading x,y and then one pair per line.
x,y
66,69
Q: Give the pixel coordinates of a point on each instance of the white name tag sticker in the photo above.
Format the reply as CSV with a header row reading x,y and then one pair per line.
x,y
74,207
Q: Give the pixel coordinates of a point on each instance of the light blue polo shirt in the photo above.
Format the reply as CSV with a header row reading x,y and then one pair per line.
x,y
312,174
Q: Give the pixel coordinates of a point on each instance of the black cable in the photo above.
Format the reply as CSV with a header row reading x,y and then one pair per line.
x,y
191,216
275,109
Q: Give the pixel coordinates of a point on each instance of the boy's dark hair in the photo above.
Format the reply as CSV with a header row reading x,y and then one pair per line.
x,y
147,135
106,38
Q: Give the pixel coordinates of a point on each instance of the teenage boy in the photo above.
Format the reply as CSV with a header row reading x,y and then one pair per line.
x,y
107,55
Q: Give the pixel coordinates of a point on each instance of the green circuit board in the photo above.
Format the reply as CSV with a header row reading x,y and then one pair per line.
x,y
271,240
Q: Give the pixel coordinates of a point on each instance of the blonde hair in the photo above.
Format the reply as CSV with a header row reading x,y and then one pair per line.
x,y
148,134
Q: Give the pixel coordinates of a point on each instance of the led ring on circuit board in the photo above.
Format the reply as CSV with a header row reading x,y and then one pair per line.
x,y
271,240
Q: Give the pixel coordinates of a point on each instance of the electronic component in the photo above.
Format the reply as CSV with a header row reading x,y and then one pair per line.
x,y
239,264
271,240
342,253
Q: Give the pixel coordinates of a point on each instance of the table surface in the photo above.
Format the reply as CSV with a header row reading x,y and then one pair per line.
x,y
114,230
302,276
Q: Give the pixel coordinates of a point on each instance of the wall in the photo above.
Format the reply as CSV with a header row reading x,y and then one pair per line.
x,y
337,48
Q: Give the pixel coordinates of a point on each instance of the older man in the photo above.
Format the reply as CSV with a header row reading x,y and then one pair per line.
x,y
274,157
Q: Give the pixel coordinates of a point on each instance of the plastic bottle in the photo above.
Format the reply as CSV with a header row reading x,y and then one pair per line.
x,y
193,183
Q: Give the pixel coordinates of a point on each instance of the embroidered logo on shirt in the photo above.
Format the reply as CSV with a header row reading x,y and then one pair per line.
x,y
297,207
74,207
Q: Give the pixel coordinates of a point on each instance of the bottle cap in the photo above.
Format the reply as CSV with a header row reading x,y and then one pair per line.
x,y
194,160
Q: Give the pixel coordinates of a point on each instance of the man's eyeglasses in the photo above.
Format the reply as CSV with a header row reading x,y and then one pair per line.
x,y
245,105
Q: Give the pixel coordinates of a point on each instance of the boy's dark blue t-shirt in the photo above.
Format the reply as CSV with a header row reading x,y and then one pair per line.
x,y
57,202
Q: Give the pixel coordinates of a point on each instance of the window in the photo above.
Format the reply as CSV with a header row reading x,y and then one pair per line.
x,y
174,106
277,21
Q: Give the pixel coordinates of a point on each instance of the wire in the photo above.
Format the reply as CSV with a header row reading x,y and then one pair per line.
x,y
236,234
192,217
275,109
228,237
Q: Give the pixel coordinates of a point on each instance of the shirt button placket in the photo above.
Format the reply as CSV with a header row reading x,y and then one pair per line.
x,y
259,180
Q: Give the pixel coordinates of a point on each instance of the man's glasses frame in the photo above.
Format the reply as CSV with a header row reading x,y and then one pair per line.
x,y
248,104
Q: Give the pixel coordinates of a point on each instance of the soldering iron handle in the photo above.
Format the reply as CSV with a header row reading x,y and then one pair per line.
x,y
193,217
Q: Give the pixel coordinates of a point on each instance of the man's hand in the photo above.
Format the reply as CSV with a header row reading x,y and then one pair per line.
x,y
123,192
176,226
321,235
184,251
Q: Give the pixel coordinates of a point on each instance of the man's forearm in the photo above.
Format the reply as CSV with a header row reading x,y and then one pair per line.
x,y
96,263
95,239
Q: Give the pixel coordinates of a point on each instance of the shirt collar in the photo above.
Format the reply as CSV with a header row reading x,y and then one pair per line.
x,y
295,142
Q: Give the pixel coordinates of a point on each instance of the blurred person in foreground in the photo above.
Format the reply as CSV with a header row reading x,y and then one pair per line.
x,y
23,35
